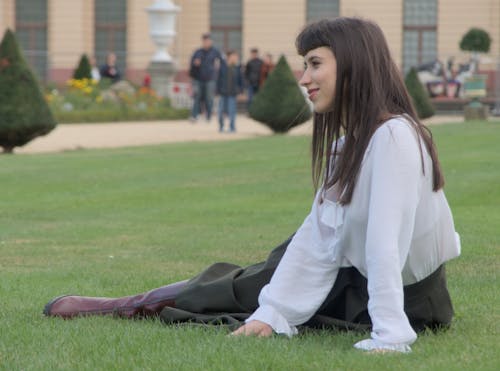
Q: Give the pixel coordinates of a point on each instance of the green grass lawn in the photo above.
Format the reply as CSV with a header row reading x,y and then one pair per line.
x,y
117,222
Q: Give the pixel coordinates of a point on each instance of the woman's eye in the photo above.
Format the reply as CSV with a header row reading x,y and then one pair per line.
x,y
312,64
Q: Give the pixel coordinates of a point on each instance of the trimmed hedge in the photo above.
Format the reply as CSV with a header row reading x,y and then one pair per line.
x,y
419,95
84,70
114,115
24,113
280,103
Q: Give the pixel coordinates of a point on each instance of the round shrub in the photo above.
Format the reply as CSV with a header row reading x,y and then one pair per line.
x,y
476,40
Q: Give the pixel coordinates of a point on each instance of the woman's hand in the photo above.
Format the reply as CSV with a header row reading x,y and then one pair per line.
x,y
256,328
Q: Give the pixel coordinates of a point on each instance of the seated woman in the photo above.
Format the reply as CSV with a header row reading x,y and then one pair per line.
x,y
371,253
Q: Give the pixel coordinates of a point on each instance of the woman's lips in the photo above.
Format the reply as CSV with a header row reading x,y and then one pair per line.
x,y
312,93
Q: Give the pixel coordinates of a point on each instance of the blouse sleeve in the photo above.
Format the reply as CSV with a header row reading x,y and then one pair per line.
x,y
303,278
396,169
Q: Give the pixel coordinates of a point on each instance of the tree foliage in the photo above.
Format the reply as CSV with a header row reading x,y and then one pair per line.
x,y
280,103
476,40
24,113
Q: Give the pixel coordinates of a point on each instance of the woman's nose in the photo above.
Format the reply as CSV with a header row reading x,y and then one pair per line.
x,y
305,79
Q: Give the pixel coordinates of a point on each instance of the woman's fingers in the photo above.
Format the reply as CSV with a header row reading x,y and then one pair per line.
x,y
240,331
256,328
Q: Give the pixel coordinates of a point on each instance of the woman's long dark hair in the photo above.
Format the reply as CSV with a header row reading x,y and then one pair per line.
x,y
370,90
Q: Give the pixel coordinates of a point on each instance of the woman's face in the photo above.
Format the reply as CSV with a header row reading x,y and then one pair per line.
x,y
319,78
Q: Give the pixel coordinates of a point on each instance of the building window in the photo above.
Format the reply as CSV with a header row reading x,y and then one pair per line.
x,y
225,24
320,9
31,33
111,31
419,32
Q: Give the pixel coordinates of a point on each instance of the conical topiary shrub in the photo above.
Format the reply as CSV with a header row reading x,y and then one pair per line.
x,y
24,113
280,104
84,70
420,98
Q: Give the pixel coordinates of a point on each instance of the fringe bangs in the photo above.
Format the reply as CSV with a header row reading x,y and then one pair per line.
x,y
312,36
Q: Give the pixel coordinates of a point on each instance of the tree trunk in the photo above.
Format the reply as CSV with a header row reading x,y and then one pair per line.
x,y
8,150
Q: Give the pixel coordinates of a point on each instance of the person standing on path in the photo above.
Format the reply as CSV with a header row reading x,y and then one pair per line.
x,y
202,70
252,75
229,85
267,67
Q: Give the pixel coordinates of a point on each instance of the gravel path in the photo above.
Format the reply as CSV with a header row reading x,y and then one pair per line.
x,y
69,137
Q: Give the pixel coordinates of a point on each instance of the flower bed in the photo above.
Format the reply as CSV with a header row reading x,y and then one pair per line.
x,y
86,100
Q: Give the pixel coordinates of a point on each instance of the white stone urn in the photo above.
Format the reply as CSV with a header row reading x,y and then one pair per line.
x,y
162,16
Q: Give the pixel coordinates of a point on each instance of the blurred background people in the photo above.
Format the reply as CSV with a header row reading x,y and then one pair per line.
x,y
229,85
202,70
94,70
109,70
252,75
267,67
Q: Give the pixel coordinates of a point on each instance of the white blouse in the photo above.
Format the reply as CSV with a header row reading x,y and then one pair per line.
x,y
396,231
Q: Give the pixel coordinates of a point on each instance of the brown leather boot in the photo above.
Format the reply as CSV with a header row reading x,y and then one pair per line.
x,y
143,305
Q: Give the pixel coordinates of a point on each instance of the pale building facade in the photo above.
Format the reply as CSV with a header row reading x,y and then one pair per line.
x,y
55,33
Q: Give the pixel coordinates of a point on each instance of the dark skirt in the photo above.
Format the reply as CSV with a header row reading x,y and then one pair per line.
x,y
226,294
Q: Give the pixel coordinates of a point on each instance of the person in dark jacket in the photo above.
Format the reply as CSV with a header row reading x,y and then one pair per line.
x,y
229,85
252,75
203,69
109,70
